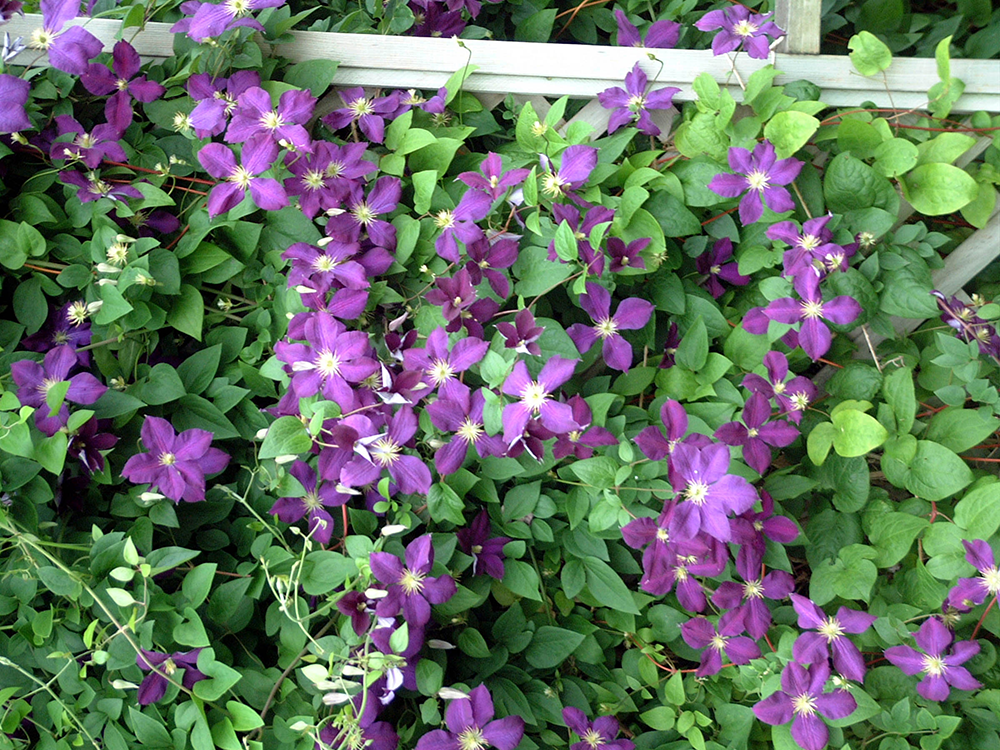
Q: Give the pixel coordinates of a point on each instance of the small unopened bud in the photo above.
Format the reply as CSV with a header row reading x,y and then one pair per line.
x,y
336,699
299,726
107,268
261,433
394,528
93,307
303,289
440,645
286,459
123,685
107,282
452,694
324,242
374,594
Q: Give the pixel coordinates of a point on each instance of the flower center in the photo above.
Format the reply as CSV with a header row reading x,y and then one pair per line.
x,y
758,180
753,590
663,535
934,665
472,739
715,270
809,242
328,363
361,107
831,629
41,38
363,214
696,492
804,704
812,309
169,667
77,312
606,327
60,337
681,573
753,432
552,185
241,177
440,371
636,102
237,8
534,396
272,120
800,401
758,526
118,254
574,436
167,459
334,169
779,387
444,219
324,263
411,582
718,642
386,451
45,385
592,739
121,84
85,140
991,580
314,180
745,29
470,431
311,501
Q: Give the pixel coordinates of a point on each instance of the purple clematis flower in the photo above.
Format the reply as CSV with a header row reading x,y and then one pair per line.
x,y
91,187
212,20
576,165
493,181
454,295
756,434
8,8
94,146
651,441
522,335
535,399
486,258
814,337
385,451
633,103
709,492
970,592
740,27
460,224
359,608
471,726
327,177
802,701
86,444
218,161
747,599
319,496
175,465
751,528
810,648
761,175
486,551
810,245
69,50
632,314
626,256
715,264
792,396
411,591
939,662
361,212
66,325
282,125
582,226
661,34
14,93
441,365
334,260
670,347
581,443
598,734
368,113
121,78
726,638
35,380
154,685
216,99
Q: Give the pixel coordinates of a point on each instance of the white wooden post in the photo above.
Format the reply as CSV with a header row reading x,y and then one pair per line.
x,y
801,21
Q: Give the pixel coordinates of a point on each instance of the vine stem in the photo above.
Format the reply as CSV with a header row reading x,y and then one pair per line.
x,y
981,619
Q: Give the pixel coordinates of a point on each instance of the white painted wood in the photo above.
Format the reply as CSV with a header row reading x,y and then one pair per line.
x,y
582,70
801,21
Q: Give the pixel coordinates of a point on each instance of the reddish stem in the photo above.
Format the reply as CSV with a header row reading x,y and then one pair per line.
x,y
980,623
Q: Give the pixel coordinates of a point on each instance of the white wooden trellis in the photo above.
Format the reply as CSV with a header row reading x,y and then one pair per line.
x,y
532,71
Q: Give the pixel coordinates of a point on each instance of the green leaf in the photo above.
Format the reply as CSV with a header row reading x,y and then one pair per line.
x,y
660,718
50,452
187,313
850,185
191,632
244,717
567,247
471,642
692,353
13,254
944,148
979,511
113,306
444,505
521,579
325,570
960,429
198,582
673,690
149,731
313,75
869,54
607,587
935,189
198,370
892,535
551,646
856,433
55,395
895,157
820,441
162,386
789,131
899,394
221,677
286,436
850,576
936,472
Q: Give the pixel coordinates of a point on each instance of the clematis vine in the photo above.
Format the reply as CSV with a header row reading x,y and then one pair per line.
x,y
746,600
598,734
486,551
717,264
239,180
708,492
175,465
122,80
471,726
757,433
14,92
522,335
633,102
831,635
534,399
214,19
318,497
970,592
632,314
411,590
369,114
217,99
384,450
940,661
461,414
69,49
441,365
154,685
283,125
790,396
760,175
581,443
36,383
802,701
574,170
491,179
739,26
717,640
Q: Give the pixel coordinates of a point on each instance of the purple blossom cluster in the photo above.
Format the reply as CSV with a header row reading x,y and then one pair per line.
x,y
968,325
